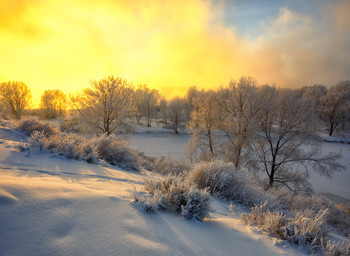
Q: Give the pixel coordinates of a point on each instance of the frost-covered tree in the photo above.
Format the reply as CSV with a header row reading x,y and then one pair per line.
x,y
335,104
136,104
203,123
104,104
53,103
149,104
312,96
191,94
284,147
144,103
176,112
15,96
238,106
163,109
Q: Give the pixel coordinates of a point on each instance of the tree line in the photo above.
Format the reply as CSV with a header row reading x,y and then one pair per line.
x,y
111,99
259,127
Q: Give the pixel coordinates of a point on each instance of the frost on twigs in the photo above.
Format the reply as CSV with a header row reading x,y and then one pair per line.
x,y
173,193
298,229
109,149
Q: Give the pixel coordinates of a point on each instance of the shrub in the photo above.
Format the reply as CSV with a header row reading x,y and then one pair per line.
x,y
306,231
332,248
300,230
109,149
150,204
166,165
31,125
224,181
180,196
310,205
116,152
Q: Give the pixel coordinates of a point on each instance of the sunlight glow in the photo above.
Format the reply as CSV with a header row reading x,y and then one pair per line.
x,y
168,45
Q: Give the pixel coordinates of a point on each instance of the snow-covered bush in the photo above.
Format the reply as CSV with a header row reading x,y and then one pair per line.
x,y
104,149
310,232
167,165
307,231
116,152
150,204
67,145
31,125
224,181
181,196
197,204
332,248
269,221
310,205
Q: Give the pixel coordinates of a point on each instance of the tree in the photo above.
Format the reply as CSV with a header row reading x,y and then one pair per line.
x,y
191,94
163,109
47,104
16,97
144,103
61,101
176,112
312,96
204,120
284,146
53,103
335,104
149,104
136,100
238,106
104,104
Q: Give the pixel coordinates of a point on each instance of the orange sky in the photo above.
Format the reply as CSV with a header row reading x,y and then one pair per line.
x,y
168,45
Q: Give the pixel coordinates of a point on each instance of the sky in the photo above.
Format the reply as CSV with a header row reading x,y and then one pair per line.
x,y
171,45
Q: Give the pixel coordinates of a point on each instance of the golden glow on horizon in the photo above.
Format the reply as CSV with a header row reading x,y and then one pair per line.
x,y
168,45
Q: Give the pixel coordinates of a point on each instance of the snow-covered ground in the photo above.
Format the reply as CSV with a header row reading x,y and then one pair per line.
x,y
337,188
56,206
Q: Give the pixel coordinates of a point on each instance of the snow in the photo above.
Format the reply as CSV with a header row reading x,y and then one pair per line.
x,y
56,206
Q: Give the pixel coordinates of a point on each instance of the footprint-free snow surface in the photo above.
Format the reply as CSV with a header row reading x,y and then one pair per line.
x,y
55,206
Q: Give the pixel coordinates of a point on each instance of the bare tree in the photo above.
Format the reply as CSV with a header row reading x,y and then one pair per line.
x,y
284,146
61,101
149,104
53,103
104,104
203,123
335,104
47,104
312,96
136,103
191,94
176,112
16,97
238,106
163,109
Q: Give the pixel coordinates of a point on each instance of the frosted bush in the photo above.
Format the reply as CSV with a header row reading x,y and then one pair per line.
x,y
150,204
181,196
104,149
271,222
31,125
197,204
116,152
166,165
310,205
309,232
332,248
224,181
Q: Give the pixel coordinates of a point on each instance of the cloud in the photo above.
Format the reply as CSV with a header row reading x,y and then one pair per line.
x,y
168,45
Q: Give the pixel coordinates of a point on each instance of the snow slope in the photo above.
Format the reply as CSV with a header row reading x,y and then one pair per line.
x,y
55,206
